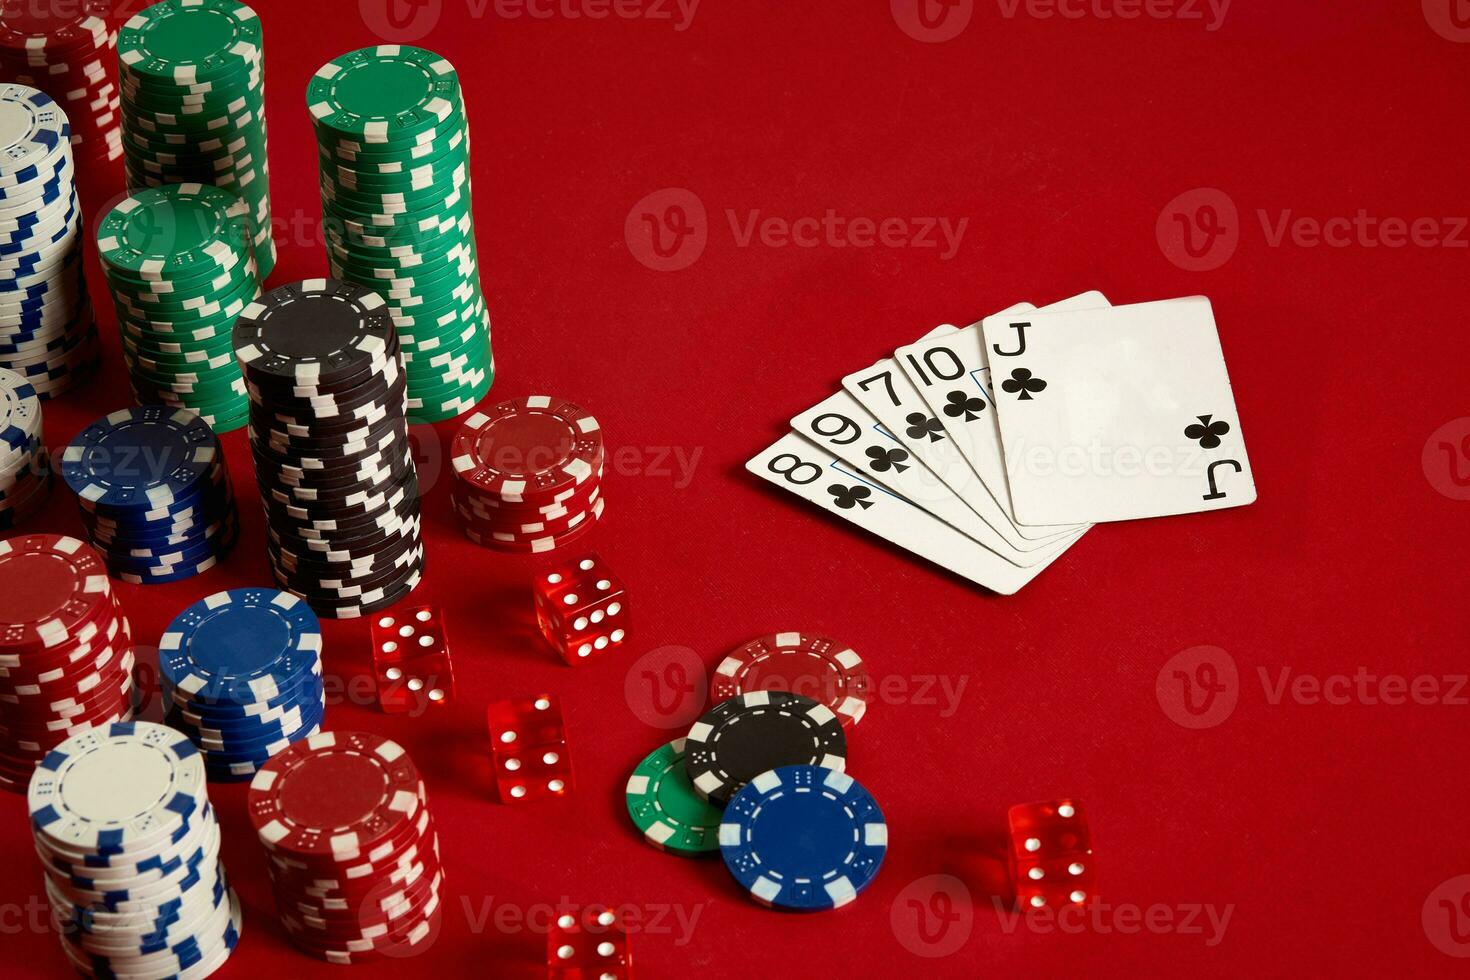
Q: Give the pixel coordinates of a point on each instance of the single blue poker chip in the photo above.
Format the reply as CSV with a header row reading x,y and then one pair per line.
x,y
141,458
241,646
803,838
33,129
20,411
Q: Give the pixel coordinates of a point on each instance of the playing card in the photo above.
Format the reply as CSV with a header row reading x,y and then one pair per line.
x,y
844,428
887,393
810,472
1118,413
952,375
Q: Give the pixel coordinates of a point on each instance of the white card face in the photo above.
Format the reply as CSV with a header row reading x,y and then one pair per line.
x,y
887,393
805,469
1118,413
952,375
848,431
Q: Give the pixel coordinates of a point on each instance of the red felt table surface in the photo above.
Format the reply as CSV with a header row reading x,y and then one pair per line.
x,y
1322,830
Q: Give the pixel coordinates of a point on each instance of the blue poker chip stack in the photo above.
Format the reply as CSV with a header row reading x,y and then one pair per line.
x,y
154,492
242,677
25,471
48,334
131,849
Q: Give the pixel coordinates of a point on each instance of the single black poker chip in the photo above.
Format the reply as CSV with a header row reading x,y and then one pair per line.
x,y
752,733
313,333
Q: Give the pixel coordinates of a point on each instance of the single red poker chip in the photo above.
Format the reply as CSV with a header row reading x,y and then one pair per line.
x,y
528,449
333,793
817,667
53,585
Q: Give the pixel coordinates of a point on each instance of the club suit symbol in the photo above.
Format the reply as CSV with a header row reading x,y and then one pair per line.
x,y
1206,432
932,21
847,498
1445,917
1199,230
1450,19
882,460
961,404
1198,687
922,426
1022,383
667,230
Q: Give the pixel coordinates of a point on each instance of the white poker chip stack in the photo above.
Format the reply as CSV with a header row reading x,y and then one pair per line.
x,y
124,828
25,471
48,334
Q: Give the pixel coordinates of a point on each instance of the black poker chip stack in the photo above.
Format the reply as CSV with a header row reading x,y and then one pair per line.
x,y
329,433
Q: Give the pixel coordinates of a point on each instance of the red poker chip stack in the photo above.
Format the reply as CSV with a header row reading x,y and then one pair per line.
x,y
69,51
66,650
528,474
353,856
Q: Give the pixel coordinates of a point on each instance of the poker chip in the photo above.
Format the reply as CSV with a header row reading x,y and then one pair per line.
x,y
66,652
329,433
814,666
803,838
154,493
130,846
665,806
67,50
241,675
25,467
351,847
528,474
393,149
752,733
48,334
192,106
181,268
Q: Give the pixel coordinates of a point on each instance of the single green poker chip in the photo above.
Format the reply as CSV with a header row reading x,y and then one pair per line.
x,y
173,232
190,41
665,806
384,94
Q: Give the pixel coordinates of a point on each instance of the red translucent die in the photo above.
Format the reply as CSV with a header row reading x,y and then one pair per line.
x,y
528,741
580,608
592,945
411,659
1051,854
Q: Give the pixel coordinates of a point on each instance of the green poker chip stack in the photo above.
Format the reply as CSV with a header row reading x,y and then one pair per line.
x,y
193,104
394,149
181,268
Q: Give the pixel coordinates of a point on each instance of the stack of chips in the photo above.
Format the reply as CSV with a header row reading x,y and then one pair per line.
x,y
48,334
528,474
353,855
193,97
330,438
242,677
393,144
25,467
67,49
66,651
154,493
130,846
180,268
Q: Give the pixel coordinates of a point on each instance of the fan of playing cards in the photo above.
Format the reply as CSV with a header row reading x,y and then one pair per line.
x,y
992,449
